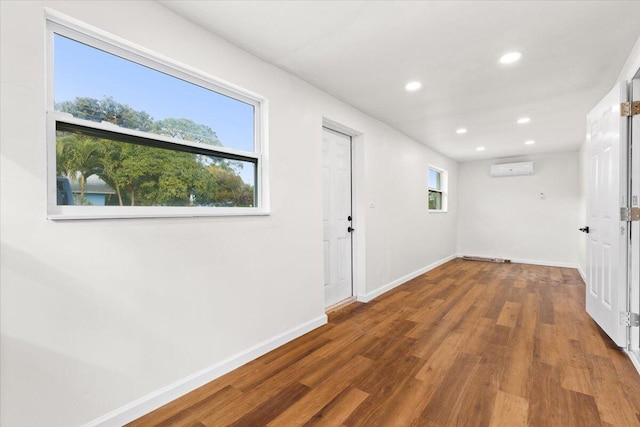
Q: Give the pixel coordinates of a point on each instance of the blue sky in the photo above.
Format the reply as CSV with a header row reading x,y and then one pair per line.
x,y
83,71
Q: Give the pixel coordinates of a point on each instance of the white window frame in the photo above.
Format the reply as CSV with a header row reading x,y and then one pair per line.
x,y
66,26
444,189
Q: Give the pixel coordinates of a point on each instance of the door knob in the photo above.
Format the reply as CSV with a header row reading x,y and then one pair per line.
x,y
350,229
585,229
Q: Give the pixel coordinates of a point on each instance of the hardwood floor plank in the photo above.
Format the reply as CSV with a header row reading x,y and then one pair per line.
x,y
547,404
615,405
509,410
336,412
509,314
519,352
394,300
546,344
466,344
441,360
577,379
264,413
478,397
426,313
498,300
391,366
627,376
431,338
258,373
383,398
586,413
301,411
591,339
444,407
331,363
409,402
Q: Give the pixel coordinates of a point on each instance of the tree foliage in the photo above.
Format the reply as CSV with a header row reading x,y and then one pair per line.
x,y
148,176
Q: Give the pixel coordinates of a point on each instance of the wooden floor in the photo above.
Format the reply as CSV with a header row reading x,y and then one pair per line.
x,y
467,344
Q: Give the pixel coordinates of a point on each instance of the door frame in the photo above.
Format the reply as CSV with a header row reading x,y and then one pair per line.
x,y
633,182
358,238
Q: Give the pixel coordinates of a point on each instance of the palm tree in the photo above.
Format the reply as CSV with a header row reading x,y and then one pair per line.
x,y
78,157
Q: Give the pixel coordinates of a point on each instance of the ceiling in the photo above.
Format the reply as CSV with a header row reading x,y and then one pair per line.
x,y
365,52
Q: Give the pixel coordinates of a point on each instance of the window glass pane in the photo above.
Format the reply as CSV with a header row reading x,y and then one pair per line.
x,y
434,179
94,85
435,200
100,171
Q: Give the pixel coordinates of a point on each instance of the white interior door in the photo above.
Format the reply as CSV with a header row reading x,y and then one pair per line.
x,y
336,216
606,193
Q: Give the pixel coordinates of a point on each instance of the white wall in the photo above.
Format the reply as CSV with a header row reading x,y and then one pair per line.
x,y
505,217
96,314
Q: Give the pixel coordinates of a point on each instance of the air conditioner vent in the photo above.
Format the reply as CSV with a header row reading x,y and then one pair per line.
x,y
512,169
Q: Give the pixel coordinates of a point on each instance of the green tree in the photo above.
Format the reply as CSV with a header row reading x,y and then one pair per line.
x,y
224,188
149,176
78,157
186,129
107,110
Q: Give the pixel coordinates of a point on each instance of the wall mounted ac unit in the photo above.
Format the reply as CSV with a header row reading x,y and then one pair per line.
x,y
512,169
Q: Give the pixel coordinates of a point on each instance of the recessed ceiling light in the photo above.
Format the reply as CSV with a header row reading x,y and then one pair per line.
x,y
523,120
529,142
413,86
510,58
461,131
480,149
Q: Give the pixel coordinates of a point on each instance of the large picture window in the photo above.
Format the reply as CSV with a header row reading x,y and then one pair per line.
x,y
133,135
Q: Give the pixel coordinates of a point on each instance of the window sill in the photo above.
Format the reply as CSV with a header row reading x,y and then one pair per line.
x,y
438,211
63,213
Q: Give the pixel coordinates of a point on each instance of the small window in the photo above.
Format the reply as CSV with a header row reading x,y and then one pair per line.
x,y
437,183
132,135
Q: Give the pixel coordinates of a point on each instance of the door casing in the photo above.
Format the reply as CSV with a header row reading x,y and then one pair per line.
x,y
634,247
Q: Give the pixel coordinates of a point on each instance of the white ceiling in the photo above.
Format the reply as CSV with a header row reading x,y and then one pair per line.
x,y
365,52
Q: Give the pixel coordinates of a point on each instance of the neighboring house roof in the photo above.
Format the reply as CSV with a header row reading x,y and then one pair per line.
x,y
93,185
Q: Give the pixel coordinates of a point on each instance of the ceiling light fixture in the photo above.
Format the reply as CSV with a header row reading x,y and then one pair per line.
x,y
529,142
510,58
480,149
461,131
523,120
413,86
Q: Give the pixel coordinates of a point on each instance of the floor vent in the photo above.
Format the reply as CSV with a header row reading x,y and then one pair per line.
x,y
479,258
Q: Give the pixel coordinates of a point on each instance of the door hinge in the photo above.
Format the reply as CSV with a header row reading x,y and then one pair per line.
x,y
629,319
628,109
630,214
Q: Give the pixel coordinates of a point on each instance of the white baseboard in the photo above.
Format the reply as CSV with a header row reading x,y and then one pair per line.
x,y
635,359
584,277
386,288
546,263
534,262
158,398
